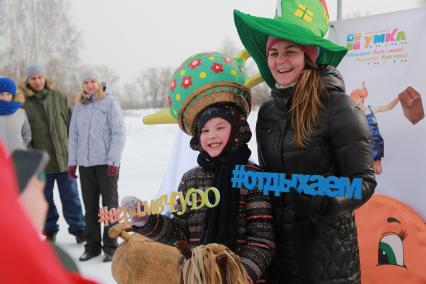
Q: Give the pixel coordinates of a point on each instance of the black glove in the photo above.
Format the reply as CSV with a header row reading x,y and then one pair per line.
x,y
307,205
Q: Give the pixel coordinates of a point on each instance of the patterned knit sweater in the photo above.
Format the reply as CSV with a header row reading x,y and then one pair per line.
x,y
256,238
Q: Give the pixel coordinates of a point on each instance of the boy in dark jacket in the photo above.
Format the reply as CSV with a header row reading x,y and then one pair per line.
x,y
216,118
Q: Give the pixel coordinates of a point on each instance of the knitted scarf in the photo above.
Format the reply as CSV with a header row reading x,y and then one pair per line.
x,y
222,221
7,108
221,224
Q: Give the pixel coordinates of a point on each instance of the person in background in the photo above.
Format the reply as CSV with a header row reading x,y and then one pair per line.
x,y
49,117
15,129
96,143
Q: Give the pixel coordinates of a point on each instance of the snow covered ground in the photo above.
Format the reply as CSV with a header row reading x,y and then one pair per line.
x,y
145,160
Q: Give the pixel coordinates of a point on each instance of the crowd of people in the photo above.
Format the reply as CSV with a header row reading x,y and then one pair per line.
x,y
35,116
309,125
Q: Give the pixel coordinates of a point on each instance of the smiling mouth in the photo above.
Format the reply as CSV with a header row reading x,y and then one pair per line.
x,y
284,70
214,145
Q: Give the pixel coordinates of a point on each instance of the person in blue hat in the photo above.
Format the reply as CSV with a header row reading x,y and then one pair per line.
x,y
15,130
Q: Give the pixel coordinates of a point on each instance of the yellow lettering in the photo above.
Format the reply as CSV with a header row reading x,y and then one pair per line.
x,y
172,202
146,209
124,211
160,203
216,197
154,207
194,192
183,203
368,40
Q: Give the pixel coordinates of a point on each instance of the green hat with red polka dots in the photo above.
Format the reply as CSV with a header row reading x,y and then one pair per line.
x,y
205,79
304,22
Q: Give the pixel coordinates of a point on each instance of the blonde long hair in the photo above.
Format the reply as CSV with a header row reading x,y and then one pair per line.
x,y
306,103
100,94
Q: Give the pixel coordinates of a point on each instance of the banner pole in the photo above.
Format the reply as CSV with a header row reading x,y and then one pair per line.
x,y
339,10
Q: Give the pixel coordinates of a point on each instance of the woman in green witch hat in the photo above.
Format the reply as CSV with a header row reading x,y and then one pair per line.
x,y
308,126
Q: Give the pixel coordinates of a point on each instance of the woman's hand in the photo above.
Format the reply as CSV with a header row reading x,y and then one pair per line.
x,y
112,170
71,171
133,206
34,202
118,230
377,167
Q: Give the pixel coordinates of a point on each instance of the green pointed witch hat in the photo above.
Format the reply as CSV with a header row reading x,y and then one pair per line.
x,y
304,22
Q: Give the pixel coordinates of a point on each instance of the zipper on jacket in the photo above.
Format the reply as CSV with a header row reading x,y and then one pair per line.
x,y
283,131
88,138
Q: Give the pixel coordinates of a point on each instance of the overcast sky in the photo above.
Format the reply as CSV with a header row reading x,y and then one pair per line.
x,y
131,35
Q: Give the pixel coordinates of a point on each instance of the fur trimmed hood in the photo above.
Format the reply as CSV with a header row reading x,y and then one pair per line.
x,y
26,91
19,97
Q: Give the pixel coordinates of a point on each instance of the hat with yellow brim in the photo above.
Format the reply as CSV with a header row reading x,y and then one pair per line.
x,y
304,22
233,73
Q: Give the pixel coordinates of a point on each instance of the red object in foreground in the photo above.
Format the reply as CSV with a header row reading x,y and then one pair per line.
x,y
71,171
112,170
25,258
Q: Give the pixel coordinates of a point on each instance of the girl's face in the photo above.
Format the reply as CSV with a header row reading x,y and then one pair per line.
x,y
90,86
286,61
215,135
37,82
5,96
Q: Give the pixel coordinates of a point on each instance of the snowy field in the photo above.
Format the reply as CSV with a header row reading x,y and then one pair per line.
x,y
145,161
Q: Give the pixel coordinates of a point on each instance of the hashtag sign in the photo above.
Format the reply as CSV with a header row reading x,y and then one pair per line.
x,y
237,176
104,215
115,215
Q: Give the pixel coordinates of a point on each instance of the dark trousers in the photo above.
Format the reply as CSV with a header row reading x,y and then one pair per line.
x,y
71,205
95,183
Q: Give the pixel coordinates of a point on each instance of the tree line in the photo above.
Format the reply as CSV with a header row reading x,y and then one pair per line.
x,y
42,32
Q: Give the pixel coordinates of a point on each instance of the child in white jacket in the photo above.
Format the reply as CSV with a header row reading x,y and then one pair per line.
x,y
15,131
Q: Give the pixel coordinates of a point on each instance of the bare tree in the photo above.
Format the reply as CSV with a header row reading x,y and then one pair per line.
x,y
154,83
229,47
40,32
260,92
148,90
131,97
110,77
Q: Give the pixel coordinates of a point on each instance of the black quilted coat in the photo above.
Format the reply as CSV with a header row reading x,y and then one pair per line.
x,y
316,236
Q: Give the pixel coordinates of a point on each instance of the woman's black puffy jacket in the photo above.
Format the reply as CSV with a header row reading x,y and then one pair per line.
x,y
316,236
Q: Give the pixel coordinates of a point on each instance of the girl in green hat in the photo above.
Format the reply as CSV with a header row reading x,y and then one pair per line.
x,y
308,126
208,97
